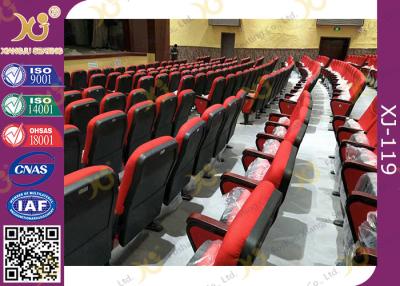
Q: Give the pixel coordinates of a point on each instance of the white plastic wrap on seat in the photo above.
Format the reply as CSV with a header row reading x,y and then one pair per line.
x,y
284,120
271,146
206,253
234,201
351,123
359,137
257,169
279,131
361,155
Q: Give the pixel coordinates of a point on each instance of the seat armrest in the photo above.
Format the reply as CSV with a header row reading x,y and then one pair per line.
x,y
346,143
232,180
274,115
262,137
249,155
200,228
351,172
344,133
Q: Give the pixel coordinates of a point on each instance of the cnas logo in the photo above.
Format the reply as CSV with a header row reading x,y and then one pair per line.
x,y
31,169
31,205
42,21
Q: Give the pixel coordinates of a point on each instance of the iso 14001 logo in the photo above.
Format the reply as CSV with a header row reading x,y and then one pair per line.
x,y
13,105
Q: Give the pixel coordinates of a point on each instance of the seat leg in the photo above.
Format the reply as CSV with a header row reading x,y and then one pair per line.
x,y
155,226
338,222
246,120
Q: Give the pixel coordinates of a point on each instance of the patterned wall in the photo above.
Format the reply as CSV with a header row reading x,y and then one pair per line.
x,y
191,53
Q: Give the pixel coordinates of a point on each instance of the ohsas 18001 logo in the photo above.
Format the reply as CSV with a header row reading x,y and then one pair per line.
x,y
31,205
31,169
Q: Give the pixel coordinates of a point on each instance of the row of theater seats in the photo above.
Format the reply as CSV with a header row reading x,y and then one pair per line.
x,y
252,200
358,60
98,209
347,83
355,170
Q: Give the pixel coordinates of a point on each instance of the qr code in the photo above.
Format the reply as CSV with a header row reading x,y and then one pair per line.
x,y
31,254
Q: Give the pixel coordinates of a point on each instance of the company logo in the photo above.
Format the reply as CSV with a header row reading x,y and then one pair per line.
x,y
13,105
13,75
13,135
31,169
31,205
27,27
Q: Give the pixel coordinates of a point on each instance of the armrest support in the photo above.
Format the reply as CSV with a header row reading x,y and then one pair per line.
x,y
232,180
249,155
200,228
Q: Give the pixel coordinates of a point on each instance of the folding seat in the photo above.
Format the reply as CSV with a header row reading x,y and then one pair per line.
x,y
96,92
189,139
89,215
240,96
113,101
253,101
131,68
131,73
213,116
186,82
184,106
229,86
97,79
160,84
135,96
166,107
173,81
217,243
70,96
185,72
166,71
111,81
200,83
105,140
120,69
231,106
210,76
67,81
107,70
153,73
141,67
147,83
123,84
260,166
72,149
141,118
78,79
238,82
214,97
93,71
135,79
142,189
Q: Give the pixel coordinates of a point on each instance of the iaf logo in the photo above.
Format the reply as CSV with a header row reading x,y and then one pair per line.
x,y
31,205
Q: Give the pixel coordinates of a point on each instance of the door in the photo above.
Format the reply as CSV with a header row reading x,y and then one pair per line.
x,y
335,48
227,44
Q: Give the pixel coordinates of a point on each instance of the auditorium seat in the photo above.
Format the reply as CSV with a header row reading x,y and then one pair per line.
x,y
111,81
67,81
213,116
231,106
186,82
142,189
80,112
120,69
147,83
240,96
189,139
107,70
141,118
72,149
92,71
131,68
229,86
135,96
70,96
214,97
184,105
97,79
89,215
173,81
135,79
220,244
78,79
210,77
104,140
97,92
166,107
123,84
200,83
160,84
113,101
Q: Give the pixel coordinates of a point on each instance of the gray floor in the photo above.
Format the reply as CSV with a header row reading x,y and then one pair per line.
x,y
303,233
